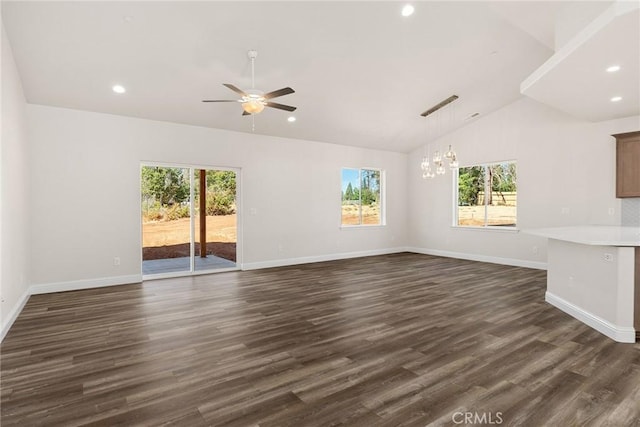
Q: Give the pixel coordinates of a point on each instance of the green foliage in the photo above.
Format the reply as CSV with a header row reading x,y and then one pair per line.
x,y
367,193
503,177
471,181
221,192
165,192
221,203
370,193
152,211
221,181
369,197
351,194
165,185
348,193
356,194
176,212
470,184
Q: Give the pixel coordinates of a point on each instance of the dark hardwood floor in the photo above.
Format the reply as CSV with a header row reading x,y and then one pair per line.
x,y
392,340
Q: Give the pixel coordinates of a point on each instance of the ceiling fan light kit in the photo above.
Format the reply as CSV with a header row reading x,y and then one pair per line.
x,y
252,106
253,101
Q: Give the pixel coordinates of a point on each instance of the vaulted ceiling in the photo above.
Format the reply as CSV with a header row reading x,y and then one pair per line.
x,y
362,72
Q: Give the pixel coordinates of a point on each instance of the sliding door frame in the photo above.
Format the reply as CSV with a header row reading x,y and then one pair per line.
x,y
192,168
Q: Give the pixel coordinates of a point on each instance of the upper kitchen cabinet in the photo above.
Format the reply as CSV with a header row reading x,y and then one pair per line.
x,y
628,164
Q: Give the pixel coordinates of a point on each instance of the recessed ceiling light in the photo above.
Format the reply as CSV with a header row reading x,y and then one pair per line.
x,y
407,10
119,89
616,99
613,69
291,119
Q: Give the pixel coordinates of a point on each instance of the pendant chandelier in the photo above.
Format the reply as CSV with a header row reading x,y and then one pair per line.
x,y
432,166
438,162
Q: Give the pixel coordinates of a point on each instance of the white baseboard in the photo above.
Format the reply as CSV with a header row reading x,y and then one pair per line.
x,y
332,257
617,333
319,258
75,285
47,288
14,314
482,258
137,278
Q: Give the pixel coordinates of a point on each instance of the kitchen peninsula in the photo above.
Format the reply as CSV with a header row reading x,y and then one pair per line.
x,y
593,274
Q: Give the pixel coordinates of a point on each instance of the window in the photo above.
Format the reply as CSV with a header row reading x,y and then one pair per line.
x,y
361,197
487,195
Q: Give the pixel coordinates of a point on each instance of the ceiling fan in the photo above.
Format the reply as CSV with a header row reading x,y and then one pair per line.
x,y
253,101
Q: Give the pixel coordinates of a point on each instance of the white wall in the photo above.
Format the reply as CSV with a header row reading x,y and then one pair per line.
x,y
602,295
14,211
85,189
562,162
86,197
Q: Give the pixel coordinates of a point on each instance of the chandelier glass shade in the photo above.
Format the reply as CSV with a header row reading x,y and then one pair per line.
x,y
435,165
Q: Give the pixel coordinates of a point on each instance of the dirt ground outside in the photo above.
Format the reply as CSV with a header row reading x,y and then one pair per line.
x,y
170,239
351,215
496,215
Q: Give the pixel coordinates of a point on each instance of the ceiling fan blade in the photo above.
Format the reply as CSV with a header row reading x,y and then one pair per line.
x,y
279,92
244,113
235,89
219,100
280,106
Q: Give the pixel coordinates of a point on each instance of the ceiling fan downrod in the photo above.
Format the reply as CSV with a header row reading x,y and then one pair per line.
x,y
253,54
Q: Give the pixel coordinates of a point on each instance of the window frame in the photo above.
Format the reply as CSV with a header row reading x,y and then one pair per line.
x,y
382,184
456,191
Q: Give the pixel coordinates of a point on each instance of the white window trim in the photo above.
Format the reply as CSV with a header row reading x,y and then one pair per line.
x,y
239,220
492,228
383,198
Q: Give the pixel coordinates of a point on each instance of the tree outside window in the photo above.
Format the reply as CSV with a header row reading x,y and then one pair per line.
x,y
361,197
487,195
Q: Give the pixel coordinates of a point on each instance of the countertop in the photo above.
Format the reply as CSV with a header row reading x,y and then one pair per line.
x,y
600,235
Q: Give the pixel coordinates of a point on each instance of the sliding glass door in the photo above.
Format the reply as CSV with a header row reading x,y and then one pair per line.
x,y
189,221
215,221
